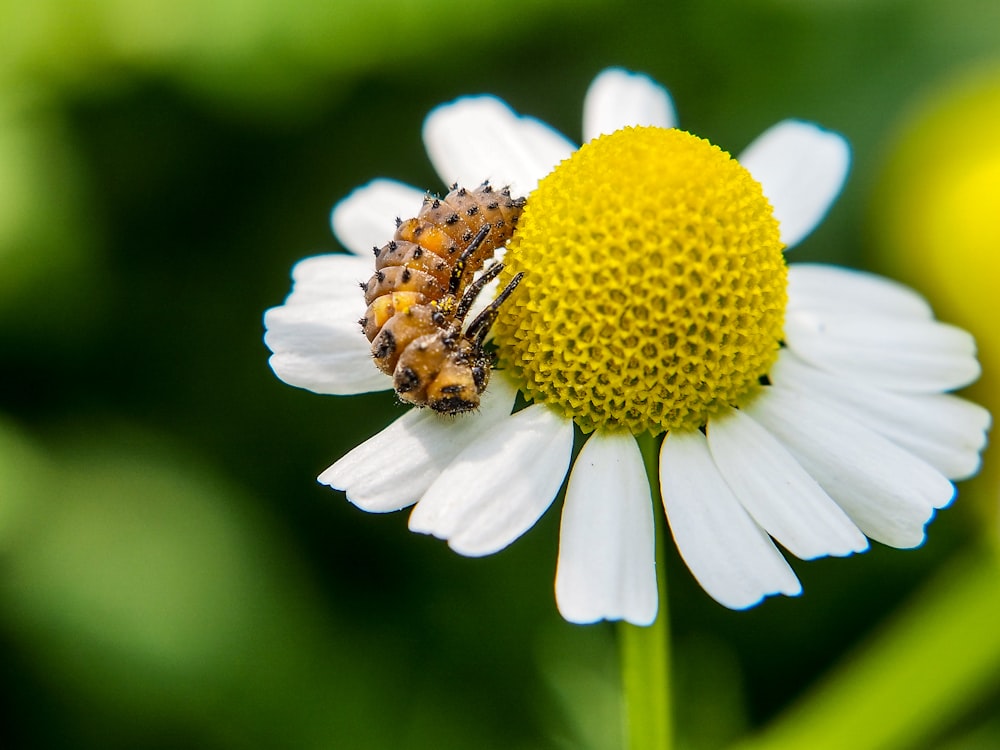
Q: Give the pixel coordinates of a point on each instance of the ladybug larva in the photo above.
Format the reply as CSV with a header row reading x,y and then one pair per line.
x,y
423,288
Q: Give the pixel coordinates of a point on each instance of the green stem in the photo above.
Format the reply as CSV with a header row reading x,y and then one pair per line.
x,y
645,651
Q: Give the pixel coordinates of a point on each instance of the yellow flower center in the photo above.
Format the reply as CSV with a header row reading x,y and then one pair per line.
x,y
654,288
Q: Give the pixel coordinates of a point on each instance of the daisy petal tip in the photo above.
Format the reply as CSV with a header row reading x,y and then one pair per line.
x,y
331,478
802,169
466,548
641,614
419,522
618,98
751,600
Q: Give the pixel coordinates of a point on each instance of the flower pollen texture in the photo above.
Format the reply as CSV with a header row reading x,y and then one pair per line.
x,y
654,288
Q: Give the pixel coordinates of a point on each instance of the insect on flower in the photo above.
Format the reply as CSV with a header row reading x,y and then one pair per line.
x,y
423,288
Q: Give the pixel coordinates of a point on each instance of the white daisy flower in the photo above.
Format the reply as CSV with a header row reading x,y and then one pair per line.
x,y
804,406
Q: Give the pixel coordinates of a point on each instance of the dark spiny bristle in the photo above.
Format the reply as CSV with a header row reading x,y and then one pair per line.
x,y
363,322
454,186
436,203
418,251
398,221
500,223
467,236
437,317
393,245
505,191
376,249
406,380
487,188
380,276
462,192
472,210
493,205
364,286
386,344
405,275
451,219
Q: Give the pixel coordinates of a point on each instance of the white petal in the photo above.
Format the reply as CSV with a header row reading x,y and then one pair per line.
x,y
618,98
315,337
320,347
499,485
819,287
802,169
889,493
480,138
367,217
903,354
395,467
331,278
777,492
728,553
944,430
607,568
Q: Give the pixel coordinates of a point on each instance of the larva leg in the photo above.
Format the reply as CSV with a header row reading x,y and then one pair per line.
x,y
479,327
469,297
459,268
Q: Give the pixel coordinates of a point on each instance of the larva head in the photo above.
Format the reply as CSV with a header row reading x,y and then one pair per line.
x,y
457,387
443,371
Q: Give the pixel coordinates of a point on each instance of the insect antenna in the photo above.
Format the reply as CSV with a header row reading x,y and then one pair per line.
x,y
479,327
459,267
469,297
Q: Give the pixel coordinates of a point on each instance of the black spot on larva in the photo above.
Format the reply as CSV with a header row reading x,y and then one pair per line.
x,y
406,380
431,267
385,344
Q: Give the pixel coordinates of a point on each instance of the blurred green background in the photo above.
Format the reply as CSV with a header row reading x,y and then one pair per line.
x,y
171,575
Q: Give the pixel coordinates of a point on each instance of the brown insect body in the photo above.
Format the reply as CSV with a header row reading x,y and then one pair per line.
x,y
423,288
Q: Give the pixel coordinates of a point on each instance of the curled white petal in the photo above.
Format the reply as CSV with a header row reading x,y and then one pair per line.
x,y
727,552
392,469
366,218
818,287
802,169
888,492
606,568
777,492
479,138
944,430
618,98
905,354
499,485
315,338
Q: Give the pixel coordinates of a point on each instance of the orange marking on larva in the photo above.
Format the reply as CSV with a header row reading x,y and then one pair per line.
x,y
423,288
